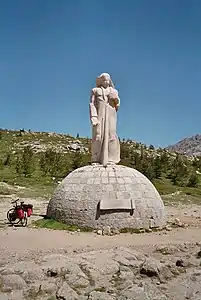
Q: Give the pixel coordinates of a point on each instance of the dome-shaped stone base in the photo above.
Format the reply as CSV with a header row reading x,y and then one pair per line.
x,y
117,196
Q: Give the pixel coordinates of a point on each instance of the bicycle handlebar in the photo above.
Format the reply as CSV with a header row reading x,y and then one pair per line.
x,y
15,201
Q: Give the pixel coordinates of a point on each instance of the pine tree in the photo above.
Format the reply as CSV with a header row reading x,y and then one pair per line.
x,y
28,165
18,166
157,167
51,163
193,180
77,160
179,172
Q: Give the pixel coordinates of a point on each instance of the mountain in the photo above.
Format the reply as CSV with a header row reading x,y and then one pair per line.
x,y
190,146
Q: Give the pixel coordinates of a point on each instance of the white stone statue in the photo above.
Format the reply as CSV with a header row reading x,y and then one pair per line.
x,y
104,104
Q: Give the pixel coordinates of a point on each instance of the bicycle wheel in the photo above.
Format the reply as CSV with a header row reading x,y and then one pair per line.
x,y
11,217
10,213
24,220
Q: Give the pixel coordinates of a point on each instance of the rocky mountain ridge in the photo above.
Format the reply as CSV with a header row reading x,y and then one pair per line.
x,y
190,146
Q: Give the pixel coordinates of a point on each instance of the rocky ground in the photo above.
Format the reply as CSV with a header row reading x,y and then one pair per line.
x,y
45,264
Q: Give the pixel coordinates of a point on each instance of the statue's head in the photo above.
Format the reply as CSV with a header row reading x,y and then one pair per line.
x,y
104,80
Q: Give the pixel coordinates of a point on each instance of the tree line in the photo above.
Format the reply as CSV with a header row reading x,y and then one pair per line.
x,y
179,170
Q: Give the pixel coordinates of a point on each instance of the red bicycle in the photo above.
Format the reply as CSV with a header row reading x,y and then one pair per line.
x,y
19,213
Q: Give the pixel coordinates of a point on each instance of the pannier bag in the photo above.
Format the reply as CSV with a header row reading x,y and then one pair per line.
x,y
20,213
29,209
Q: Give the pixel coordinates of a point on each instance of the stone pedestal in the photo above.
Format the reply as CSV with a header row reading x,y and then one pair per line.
x,y
115,196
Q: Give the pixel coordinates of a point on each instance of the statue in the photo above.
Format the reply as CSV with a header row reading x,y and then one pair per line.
x,y
104,104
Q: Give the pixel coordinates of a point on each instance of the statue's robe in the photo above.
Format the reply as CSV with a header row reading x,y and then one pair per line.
x,y
105,143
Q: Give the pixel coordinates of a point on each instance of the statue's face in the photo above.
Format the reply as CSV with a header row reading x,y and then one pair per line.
x,y
103,80
106,81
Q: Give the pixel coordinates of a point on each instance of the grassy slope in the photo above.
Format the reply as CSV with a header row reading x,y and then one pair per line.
x,y
35,186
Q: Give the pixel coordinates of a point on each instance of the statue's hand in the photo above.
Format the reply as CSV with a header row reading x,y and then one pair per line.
x,y
94,121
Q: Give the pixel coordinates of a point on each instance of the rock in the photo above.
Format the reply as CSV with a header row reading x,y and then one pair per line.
x,y
106,230
53,257
166,250
115,231
60,267
99,232
134,293
133,264
17,295
95,295
99,270
178,222
150,267
158,228
78,284
192,262
41,287
124,285
67,293
187,287
180,263
2,263
164,274
168,228
77,279
198,254
74,147
29,271
117,273
12,282
176,271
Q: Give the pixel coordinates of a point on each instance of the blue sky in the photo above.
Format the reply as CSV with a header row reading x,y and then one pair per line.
x,y
52,50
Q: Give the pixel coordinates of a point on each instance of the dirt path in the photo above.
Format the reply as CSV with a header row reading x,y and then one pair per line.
x,y
23,241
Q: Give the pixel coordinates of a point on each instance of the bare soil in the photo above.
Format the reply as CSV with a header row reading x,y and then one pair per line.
x,y
24,240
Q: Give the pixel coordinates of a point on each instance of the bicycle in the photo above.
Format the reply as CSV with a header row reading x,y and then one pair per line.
x,y
19,213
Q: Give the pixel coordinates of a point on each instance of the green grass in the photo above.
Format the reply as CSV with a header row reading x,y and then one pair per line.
x,y
181,198
38,192
55,225
176,194
42,186
165,187
6,190
34,186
